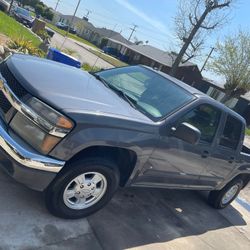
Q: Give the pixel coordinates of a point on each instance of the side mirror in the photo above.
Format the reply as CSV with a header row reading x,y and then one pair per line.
x,y
187,133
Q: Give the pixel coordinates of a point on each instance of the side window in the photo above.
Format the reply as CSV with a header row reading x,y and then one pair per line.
x,y
231,133
206,118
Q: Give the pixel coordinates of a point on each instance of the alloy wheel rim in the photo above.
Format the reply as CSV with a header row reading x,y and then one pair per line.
x,y
85,190
229,195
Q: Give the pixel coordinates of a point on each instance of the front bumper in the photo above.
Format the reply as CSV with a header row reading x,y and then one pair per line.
x,y
26,166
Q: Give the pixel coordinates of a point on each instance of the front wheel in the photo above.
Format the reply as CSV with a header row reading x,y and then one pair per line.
x,y
82,188
222,198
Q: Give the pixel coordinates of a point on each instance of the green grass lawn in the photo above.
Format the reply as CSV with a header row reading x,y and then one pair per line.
x,y
247,131
113,61
75,37
11,28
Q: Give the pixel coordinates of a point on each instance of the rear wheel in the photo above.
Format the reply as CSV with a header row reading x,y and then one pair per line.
x,y
222,198
82,188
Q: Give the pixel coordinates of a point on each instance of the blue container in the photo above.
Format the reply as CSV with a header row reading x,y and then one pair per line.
x,y
58,56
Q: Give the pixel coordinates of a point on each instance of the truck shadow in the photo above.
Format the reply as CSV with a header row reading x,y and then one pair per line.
x,y
133,218
137,217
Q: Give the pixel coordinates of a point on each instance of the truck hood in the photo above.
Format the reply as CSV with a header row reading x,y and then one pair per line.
x,y
69,89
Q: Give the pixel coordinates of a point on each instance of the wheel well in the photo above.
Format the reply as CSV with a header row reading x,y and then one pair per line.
x,y
244,177
124,158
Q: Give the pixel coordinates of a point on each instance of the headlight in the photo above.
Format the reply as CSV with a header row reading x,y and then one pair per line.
x,y
49,114
40,125
32,134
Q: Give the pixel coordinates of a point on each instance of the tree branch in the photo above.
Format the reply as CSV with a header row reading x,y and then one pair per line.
x,y
187,59
222,5
210,27
191,20
195,10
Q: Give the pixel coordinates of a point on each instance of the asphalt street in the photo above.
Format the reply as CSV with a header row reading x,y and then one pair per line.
x,y
134,219
83,53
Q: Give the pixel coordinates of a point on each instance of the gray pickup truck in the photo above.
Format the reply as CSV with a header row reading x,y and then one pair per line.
x,y
79,136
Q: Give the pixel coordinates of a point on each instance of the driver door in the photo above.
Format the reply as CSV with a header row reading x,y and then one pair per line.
x,y
176,163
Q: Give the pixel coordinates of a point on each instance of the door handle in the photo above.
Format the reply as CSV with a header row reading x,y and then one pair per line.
x,y
231,159
205,154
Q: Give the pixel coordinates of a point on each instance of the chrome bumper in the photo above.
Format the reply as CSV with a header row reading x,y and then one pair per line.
x,y
25,157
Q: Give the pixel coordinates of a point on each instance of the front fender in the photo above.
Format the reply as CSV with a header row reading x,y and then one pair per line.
x,y
139,142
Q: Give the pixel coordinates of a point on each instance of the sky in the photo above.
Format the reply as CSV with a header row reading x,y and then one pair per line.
x,y
154,20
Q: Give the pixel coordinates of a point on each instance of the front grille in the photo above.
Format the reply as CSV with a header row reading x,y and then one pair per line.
x,y
15,86
4,103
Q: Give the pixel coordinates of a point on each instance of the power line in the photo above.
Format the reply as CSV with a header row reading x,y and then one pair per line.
x,y
132,31
102,17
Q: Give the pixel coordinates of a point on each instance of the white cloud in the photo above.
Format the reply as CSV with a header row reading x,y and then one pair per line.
x,y
153,22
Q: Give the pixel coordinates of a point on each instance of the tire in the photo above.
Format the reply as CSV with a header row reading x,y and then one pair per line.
x,y
56,195
218,199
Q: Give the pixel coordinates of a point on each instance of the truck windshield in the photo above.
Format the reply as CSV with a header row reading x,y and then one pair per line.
x,y
152,94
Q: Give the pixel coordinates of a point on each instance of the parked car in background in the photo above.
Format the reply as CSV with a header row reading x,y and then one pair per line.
x,y
78,137
62,25
23,16
72,30
4,6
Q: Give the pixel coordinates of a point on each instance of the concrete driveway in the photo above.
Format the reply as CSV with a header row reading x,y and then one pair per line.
x,y
83,54
134,219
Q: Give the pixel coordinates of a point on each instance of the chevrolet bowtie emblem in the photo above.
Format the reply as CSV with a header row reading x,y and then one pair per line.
x,y
1,84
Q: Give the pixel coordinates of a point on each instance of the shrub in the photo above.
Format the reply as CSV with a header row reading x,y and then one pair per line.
x,y
24,46
89,68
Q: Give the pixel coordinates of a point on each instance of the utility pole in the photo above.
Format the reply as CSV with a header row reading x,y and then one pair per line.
x,y
11,4
87,14
98,57
209,55
58,1
133,30
72,20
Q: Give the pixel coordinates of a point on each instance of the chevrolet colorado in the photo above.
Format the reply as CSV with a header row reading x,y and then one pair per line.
x,y
78,136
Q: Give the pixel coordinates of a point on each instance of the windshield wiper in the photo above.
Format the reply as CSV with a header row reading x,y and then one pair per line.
x,y
126,97
99,78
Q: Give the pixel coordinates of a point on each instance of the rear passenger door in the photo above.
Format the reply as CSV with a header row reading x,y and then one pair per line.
x,y
223,158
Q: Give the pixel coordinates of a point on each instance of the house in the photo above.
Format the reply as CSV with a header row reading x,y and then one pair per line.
x,y
155,58
100,36
148,55
87,30
81,25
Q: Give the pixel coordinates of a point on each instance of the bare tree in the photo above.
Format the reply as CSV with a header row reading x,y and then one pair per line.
x,y
193,18
232,61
